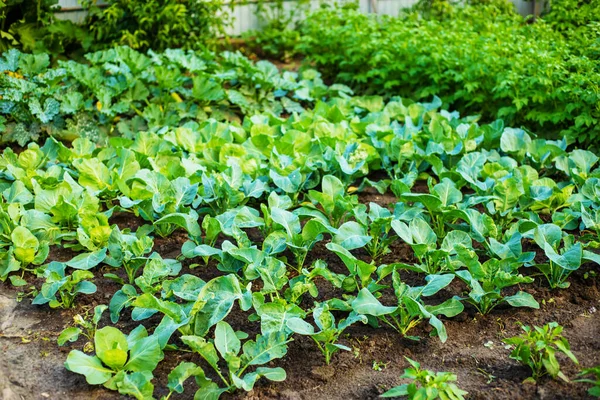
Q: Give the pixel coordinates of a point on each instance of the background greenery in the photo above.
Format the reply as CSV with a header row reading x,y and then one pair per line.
x,y
481,57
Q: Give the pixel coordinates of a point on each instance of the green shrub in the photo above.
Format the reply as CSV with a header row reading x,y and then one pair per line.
x,y
156,24
31,26
477,61
569,15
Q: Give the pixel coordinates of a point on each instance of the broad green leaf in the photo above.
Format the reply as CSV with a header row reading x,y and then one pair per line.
x,y
287,220
70,334
522,299
299,326
86,261
351,236
144,355
91,367
226,342
181,373
137,384
366,303
266,348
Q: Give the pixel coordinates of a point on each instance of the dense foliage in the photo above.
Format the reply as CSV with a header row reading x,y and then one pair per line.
x,y
32,26
156,24
478,59
261,173
571,16
121,91
141,24
473,202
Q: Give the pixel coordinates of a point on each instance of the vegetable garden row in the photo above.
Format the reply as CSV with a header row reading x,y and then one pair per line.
x,y
485,206
188,223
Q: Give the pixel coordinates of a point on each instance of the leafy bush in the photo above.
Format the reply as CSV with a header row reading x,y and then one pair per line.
x,y
156,24
494,64
570,15
32,26
278,34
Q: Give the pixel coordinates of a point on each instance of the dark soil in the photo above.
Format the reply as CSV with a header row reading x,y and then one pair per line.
x,y
31,363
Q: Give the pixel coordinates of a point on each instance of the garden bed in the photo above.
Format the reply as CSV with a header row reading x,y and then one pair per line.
x,y
32,364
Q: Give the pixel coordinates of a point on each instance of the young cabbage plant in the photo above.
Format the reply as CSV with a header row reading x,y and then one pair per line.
x,y
257,264
282,202
547,197
215,301
360,272
85,326
512,248
162,202
299,239
423,240
291,184
94,231
410,309
228,189
487,280
60,290
122,363
244,362
578,165
59,210
24,251
562,260
590,217
305,282
441,205
128,251
274,315
329,331
155,272
426,385
537,349
377,222
335,204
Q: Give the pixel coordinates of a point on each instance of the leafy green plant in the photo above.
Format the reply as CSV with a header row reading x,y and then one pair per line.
x,y
227,345
123,363
440,204
487,280
561,262
128,250
60,290
336,206
377,223
594,380
410,309
329,331
426,384
537,349
297,238
25,250
85,326
423,240
518,89
32,25
183,24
